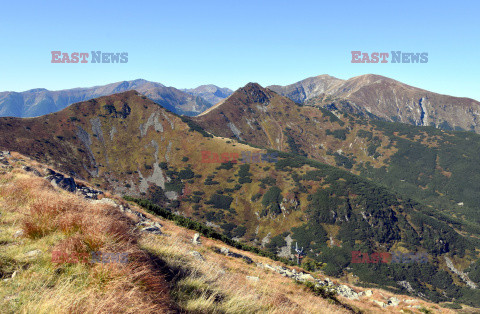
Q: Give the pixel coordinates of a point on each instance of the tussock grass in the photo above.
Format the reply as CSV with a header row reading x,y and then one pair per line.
x,y
56,221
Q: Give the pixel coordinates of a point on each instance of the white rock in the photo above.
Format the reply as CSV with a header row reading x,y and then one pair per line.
x,y
105,201
305,277
196,239
347,292
379,303
33,253
393,301
197,255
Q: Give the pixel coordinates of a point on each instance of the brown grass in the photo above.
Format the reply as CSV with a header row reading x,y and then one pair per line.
x,y
83,227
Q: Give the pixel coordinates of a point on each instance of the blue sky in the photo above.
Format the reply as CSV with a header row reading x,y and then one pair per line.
x,y
230,43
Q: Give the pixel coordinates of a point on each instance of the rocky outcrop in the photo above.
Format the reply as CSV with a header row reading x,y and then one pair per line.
x,y
59,180
461,274
68,183
227,252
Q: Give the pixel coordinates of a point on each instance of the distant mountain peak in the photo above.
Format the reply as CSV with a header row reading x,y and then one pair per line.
x,y
36,90
211,93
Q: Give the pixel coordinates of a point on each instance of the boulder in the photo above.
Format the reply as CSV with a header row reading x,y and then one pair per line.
x,y
247,259
33,253
32,170
380,303
196,239
197,255
18,234
59,180
347,292
152,229
305,277
393,301
105,201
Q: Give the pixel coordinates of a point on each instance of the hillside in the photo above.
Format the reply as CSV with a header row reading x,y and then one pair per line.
x,y
432,166
385,99
129,145
37,102
47,230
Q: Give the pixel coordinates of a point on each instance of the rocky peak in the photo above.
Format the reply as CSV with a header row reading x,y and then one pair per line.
x,y
256,93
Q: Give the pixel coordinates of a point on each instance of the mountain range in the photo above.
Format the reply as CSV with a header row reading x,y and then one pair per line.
x,y
37,102
372,96
386,99
341,182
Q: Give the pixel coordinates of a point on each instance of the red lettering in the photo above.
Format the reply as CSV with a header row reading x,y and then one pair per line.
x,y
75,57
365,58
365,258
225,157
65,58
384,55
355,55
215,158
206,156
356,257
385,257
375,258
84,56
234,157
55,55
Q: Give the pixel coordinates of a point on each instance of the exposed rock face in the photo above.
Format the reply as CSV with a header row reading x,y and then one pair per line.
x,y
286,251
382,98
461,274
61,181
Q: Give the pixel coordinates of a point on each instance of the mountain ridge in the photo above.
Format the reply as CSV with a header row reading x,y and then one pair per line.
x,y
386,99
37,102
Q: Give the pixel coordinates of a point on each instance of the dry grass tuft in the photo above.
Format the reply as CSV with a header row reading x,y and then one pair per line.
x,y
66,226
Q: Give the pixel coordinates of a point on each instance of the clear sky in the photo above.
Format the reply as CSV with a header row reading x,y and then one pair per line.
x,y
230,43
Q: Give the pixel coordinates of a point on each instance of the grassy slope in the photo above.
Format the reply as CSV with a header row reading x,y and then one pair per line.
x,y
432,166
161,276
